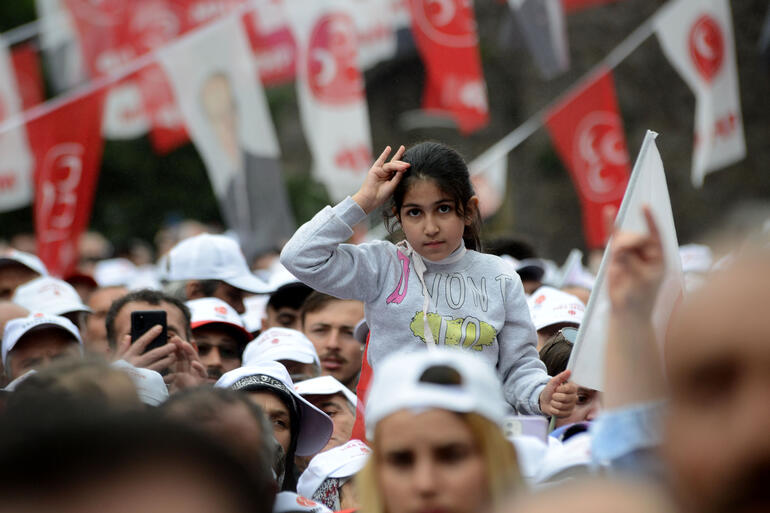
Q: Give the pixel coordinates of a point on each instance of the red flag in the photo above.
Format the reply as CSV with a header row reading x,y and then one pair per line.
x,y
67,145
587,131
26,64
168,130
273,44
578,5
445,33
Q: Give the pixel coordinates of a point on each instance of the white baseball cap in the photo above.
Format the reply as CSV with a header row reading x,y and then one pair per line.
x,y
17,328
114,272
340,462
400,382
325,385
150,387
26,259
211,310
290,502
49,295
315,427
548,306
696,258
210,257
281,344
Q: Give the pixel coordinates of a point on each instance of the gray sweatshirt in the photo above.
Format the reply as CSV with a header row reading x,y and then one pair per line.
x,y
476,301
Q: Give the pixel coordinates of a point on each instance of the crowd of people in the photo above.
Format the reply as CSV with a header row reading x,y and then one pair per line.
x,y
426,376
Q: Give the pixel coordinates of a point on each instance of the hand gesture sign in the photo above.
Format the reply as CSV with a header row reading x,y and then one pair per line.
x,y
157,359
381,180
636,269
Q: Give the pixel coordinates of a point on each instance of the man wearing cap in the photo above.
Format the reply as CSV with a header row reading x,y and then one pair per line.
x,y
551,310
335,400
288,347
17,268
52,296
300,428
33,342
330,324
209,266
177,355
219,335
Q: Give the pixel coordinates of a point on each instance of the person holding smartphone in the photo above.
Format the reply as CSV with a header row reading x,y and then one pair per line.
x,y
176,358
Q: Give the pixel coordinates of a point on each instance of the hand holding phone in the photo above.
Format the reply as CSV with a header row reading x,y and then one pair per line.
x,y
144,320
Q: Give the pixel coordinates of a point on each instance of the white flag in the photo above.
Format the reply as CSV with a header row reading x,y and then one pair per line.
x,y
16,162
697,37
647,186
330,91
223,103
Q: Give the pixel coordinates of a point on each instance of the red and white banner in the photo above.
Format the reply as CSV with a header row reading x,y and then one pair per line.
x,y
16,161
272,42
587,131
445,34
26,65
647,186
67,144
60,45
215,82
330,91
697,37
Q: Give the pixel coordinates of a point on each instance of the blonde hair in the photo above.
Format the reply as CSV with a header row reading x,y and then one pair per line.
x,y
498,453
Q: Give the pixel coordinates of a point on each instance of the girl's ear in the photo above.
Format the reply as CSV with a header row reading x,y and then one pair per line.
x,y
471,209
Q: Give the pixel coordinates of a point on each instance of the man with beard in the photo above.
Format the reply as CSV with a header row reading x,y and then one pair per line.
x,y
330,324
219,335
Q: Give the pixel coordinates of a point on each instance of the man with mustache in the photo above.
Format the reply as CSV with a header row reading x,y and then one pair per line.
x,y
329,323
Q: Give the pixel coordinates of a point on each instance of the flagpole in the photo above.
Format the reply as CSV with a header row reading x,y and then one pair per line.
x,y
535,121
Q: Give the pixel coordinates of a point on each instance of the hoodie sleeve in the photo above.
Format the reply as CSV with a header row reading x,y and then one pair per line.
x,y
317,256
524,375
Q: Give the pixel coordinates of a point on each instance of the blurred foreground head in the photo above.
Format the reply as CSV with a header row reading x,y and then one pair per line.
x,y
100,461
717,360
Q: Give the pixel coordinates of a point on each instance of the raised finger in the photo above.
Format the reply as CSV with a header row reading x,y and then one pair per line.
x,y
383,156
652,226
399,153
156,354
162,364
148,336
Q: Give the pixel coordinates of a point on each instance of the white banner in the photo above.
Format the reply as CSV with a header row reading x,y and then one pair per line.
x,y
489,185
647,186
330,91
697,37
16,162
223,103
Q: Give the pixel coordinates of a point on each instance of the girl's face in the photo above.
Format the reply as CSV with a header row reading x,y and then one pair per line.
x,y
430,221
429,462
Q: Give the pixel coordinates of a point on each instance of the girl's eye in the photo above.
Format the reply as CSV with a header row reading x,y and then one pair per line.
x,y
444,209
413,212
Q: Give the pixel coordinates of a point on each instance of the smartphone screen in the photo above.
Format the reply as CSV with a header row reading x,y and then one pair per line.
x,y
143,320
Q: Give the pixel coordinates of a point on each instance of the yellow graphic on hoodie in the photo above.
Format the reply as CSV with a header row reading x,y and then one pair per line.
x,y
468,333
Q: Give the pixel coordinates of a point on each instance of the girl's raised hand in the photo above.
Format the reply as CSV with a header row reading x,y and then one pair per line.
x,y
381,180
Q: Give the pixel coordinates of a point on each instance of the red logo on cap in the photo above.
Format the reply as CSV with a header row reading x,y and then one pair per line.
x,y
275,341
571,312
539,299
302,501
707,46
220,310
39,315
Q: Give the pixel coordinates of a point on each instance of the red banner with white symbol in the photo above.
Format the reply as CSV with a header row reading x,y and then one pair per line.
x,y
445,33
26,64
587,131
67,145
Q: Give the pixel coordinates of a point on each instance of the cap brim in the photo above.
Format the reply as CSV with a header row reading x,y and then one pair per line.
x,y
315,428
239,329
249,283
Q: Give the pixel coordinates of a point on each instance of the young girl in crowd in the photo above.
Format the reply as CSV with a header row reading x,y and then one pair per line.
x,y
435,287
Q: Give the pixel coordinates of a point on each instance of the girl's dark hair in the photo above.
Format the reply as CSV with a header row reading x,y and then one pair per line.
x,y
440,163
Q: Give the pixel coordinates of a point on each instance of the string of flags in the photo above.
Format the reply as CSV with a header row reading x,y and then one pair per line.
x,y
185,70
